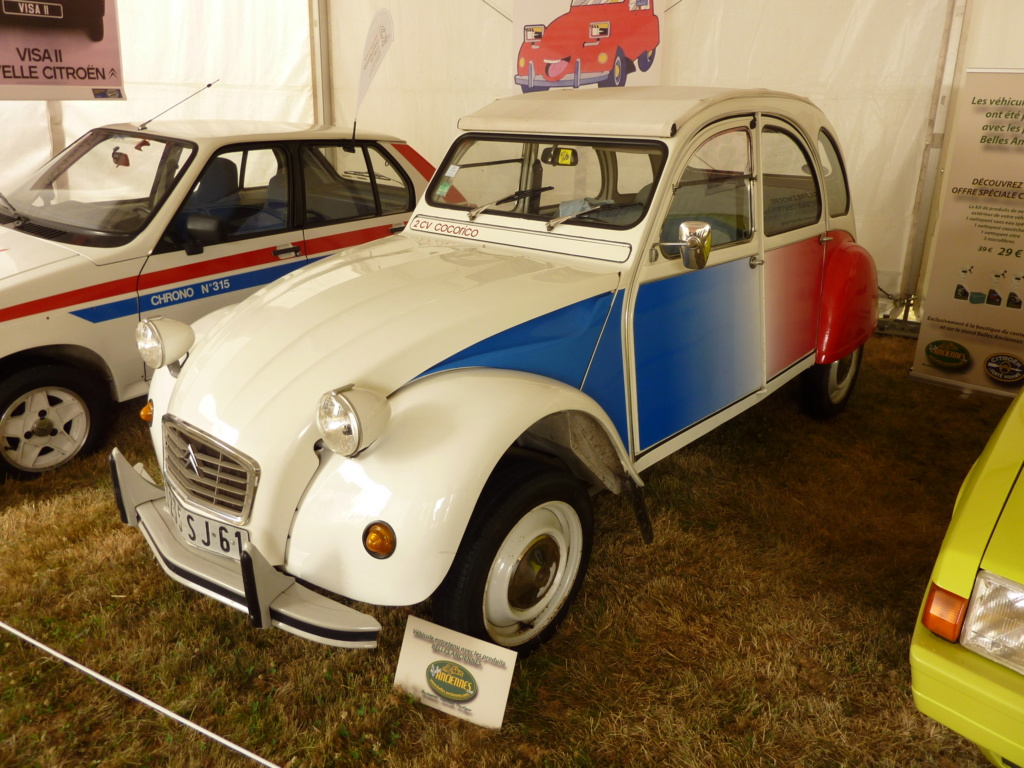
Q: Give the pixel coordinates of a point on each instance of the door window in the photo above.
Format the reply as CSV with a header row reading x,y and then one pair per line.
x,y
791,196
244,190
345,182
715,189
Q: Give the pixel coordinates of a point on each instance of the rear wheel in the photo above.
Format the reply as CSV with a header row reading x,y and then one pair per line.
x,y
48,415
826,389
645,60
522,560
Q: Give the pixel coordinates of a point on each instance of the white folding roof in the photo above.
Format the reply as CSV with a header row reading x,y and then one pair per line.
x,y
651,111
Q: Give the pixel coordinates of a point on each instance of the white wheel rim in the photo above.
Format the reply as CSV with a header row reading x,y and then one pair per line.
x,y
553,527
840,376
43,429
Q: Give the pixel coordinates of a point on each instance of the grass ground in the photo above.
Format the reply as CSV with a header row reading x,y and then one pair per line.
x,y
768,625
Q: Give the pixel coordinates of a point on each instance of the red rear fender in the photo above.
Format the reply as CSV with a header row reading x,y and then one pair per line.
x,y
849,298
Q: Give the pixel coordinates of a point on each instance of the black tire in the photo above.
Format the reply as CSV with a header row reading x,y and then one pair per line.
x,y
48,415
826,389
539,519
645,60
617,75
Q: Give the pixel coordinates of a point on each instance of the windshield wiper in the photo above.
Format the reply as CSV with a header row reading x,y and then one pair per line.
x,y
17,216
508,199
594,209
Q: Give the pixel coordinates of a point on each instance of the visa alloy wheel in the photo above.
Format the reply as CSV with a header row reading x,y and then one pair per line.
x,y
522,560
48,415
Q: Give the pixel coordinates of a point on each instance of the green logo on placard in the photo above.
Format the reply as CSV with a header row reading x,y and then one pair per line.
x,y
948,355
451,681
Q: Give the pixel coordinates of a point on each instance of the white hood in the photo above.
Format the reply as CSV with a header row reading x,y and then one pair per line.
x,y
21,253
376,317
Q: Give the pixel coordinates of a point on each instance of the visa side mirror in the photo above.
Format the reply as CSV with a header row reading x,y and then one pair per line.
x,y
202,230
693,247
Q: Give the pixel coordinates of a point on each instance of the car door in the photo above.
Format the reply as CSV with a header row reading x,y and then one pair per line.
x,y
353,192
697,334
235,232
794,250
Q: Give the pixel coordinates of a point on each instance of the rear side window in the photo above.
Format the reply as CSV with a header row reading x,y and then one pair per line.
x,y
792,198
837,192
350,182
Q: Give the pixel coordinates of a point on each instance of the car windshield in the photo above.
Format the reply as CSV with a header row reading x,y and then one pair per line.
x,y
582,181
102,189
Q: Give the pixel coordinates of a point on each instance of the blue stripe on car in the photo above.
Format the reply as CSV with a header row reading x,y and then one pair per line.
x,y
227,283
562,345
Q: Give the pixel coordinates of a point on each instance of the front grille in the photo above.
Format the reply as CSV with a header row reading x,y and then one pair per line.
x,y
208,474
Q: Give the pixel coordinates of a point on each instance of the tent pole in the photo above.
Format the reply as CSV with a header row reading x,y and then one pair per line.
x,y
320,50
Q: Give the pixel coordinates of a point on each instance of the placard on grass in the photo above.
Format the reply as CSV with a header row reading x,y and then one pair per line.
x,y
768,625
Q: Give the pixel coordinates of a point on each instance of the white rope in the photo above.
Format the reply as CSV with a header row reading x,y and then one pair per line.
x,y
132,695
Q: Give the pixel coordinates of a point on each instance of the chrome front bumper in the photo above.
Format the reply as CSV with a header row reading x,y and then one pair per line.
x,y
252,585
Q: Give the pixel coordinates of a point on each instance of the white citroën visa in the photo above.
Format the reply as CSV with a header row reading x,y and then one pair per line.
x,y
593,279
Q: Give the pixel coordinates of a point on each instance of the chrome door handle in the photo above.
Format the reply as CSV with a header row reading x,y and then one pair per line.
x,y
755,262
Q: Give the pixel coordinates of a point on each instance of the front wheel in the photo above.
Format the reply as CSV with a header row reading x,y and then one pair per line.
x,y
617,75
826,389
522,560
48,415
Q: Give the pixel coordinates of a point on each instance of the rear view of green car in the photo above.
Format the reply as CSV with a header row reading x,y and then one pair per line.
x,y
967,655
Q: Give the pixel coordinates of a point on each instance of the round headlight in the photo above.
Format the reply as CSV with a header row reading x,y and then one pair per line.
x,y
162,340
351,419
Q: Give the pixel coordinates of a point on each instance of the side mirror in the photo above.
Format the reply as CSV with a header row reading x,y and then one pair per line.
x,y
695,242
202,230
693,247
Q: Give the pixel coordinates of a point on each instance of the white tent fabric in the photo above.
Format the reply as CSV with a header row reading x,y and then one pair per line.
x,y
871,65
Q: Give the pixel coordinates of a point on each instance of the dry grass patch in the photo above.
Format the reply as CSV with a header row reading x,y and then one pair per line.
x,y
768,625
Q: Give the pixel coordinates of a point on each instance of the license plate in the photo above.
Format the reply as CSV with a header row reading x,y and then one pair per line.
x,y
204,533
37,9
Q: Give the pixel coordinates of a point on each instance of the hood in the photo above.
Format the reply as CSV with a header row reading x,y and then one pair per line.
x,y
21,253
376,317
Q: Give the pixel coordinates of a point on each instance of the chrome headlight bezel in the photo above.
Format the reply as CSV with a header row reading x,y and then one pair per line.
x,y
162,340
994,625
351,419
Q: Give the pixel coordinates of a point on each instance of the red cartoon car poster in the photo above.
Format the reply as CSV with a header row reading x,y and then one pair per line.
x,y
595,42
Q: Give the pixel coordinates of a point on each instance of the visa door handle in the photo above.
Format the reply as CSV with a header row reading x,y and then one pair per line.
x,y
286,251
756,262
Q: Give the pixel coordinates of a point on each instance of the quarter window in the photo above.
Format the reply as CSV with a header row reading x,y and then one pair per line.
x,y
836,190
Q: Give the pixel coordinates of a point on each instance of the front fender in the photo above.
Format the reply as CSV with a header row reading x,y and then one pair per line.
x,y
423,477
849,299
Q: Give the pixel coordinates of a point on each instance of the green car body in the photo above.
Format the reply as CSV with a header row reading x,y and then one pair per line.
x,y
969,682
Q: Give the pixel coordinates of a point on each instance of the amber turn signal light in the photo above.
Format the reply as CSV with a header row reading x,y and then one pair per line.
x,y
146,414
379,540
944,613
